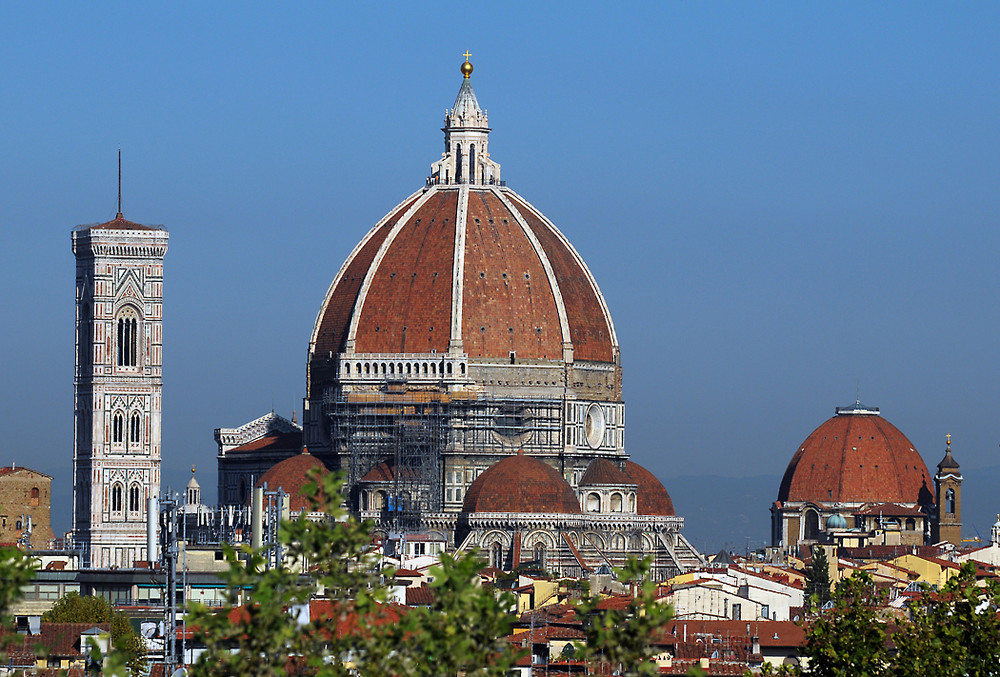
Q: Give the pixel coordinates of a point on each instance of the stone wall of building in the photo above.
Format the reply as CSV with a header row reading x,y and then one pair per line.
x,y
25,495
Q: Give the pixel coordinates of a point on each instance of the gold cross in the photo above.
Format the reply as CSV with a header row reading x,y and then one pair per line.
x,y
466,55
949,439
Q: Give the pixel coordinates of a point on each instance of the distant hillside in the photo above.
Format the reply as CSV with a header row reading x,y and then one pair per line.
x,y
724,511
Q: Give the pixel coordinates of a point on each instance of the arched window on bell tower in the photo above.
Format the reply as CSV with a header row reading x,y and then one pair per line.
x,y
134,499
134,428
128,338
949,501
118,428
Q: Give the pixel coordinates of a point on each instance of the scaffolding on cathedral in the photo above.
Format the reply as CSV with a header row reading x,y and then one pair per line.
x,y
411,431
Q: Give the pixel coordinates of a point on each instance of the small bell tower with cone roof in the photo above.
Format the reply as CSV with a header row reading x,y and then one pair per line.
x,y
948,483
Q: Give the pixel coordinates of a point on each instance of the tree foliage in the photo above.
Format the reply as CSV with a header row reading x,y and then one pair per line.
x,y
817,583
953,632
848,641
74,608
254,634
16,570
622,638
463,631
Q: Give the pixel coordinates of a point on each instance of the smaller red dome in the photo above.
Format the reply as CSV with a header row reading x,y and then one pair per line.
x,y
857,457
291,475
652,497
521,484
602,472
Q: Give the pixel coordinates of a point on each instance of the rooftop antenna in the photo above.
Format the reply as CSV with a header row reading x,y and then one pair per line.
x,y
857,393
119,184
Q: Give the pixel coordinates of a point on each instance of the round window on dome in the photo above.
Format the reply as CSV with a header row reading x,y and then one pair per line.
x,y
594,426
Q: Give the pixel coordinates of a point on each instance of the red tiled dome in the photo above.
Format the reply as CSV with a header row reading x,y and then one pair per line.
x,y
652,497
522,286
290,476
521,484
857,458
602,472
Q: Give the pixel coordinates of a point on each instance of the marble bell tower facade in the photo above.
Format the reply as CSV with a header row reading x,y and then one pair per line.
x,y
117,387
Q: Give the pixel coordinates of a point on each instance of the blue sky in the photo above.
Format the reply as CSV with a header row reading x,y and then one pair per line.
x,y
779,201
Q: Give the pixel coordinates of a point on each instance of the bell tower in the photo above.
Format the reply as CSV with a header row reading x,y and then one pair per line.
x,y
117,387
948,485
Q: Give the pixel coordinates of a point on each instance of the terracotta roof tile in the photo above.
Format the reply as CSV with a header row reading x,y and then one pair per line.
x,y
589,325
420,596
857,458
652,497
9,469
291,475
275,442
508,303
120,223
521,483
891,510
601,471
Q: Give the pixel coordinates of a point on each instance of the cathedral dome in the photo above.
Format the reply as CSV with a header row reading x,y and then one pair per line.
x,y
857,457
464,266
471,266
521,484
291,475
652,497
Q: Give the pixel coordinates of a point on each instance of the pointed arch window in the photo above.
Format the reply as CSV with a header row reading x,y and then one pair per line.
x,y
134,498
540,554
118,428
116,498
458,166
128,338
134,428
497,555
472,163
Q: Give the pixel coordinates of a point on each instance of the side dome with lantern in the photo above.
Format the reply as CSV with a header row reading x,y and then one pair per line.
x,y
855,464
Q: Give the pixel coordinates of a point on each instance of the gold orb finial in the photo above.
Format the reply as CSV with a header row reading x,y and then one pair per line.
x,y
467,66
949,440
192,469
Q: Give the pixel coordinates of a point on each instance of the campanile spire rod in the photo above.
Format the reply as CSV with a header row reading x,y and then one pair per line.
x,y
119,216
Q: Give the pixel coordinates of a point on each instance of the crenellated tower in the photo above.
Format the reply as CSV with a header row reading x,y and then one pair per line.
x,y
117,388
